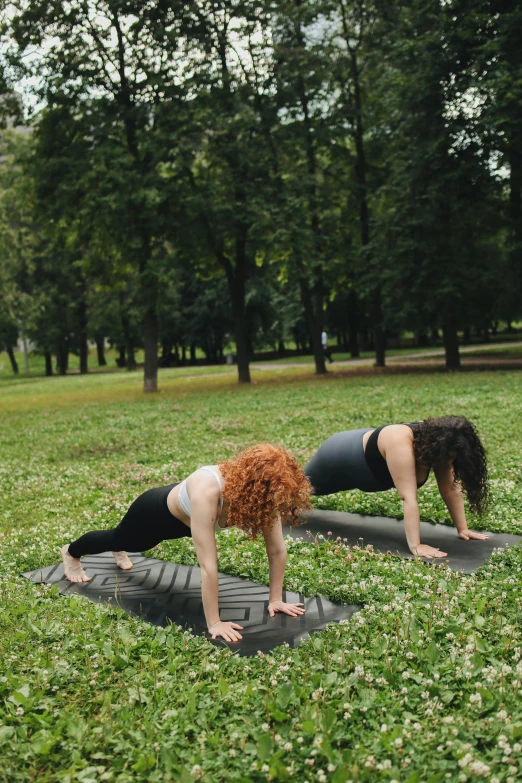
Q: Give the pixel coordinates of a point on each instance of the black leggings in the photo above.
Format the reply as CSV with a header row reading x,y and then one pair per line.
x,y
147,522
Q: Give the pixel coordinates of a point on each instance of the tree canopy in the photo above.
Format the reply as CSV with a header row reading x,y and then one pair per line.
x,y
198,175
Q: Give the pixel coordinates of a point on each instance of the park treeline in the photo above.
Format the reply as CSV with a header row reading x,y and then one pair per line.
x,y
187,175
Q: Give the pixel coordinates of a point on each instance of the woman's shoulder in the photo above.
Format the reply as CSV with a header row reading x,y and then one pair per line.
x,y
395,433
206,479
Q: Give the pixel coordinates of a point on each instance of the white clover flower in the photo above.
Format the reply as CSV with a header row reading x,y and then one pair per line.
x,y
265,727
331,768
265,768
479,768
384,728
196,770
20,711
278,738
406,675
398,742
300,740
288,746
502,715
465,760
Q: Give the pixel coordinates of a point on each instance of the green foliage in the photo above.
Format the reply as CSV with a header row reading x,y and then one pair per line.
x,y
423,684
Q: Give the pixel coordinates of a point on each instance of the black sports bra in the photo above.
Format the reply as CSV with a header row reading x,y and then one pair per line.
x,y
376,461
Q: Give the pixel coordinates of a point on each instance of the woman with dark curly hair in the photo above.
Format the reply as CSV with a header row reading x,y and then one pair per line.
x,y
252,492
401,456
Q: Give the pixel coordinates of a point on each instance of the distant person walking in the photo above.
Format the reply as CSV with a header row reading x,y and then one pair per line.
x,y
326,351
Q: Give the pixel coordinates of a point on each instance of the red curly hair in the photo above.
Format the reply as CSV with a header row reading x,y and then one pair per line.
x,y
262,483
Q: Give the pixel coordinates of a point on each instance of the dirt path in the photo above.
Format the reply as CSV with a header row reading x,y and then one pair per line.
x,y
405,357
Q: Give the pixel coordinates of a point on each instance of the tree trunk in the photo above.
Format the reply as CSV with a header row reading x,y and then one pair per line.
x,y
12,359
236,277
82,317
121,361
434,336
353,325
240,334
48,364
314,325
100,349
131,358
355,101
193,353
84,356
378,329
515,209
451,344
127,350
62,357
150,342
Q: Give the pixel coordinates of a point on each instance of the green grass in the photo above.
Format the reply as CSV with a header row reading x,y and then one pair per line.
x,y
500,352
37,365
423,685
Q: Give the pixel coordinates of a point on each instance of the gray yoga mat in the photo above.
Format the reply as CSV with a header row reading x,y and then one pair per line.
x,y
387,535
161,592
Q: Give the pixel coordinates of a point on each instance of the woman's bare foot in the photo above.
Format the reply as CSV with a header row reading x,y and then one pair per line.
x,y
72,567
122,561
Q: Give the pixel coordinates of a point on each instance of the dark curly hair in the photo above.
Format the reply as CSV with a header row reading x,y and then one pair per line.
x,y
437,440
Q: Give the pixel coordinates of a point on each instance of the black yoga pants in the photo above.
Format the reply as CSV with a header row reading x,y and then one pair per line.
x,y
147,522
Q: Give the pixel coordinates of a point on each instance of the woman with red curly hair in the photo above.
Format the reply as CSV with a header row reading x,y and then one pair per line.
x,y
251,492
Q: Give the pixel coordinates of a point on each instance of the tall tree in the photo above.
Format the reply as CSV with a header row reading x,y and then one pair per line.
x,y
106,63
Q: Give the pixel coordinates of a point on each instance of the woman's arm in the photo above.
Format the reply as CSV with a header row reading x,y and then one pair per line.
x,y
397,445
204,508
276,552
451,494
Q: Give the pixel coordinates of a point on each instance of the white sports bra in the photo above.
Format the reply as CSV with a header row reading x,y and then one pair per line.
x,y
184,500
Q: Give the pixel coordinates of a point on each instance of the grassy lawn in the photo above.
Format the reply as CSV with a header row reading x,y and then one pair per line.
x,y
512,352
423,685
37,365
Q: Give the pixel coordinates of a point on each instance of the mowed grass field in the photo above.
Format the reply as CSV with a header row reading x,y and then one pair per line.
x,y
423,685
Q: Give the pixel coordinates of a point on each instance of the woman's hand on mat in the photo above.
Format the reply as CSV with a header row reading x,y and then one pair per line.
x,y
229,631
294,610
423,550
472,535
